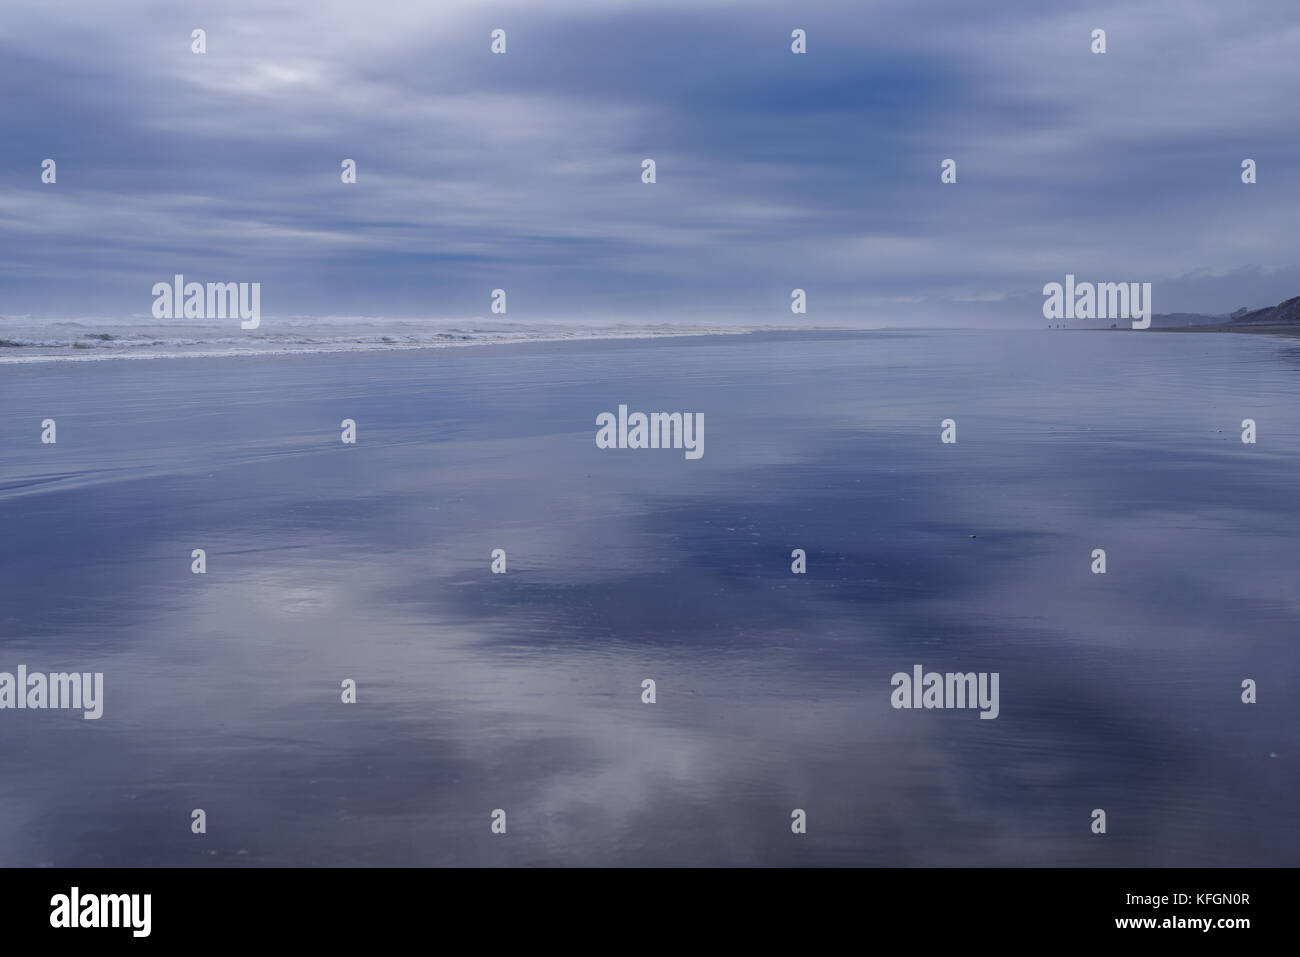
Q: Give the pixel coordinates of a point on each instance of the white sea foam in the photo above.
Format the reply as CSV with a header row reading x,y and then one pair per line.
x,y
26,340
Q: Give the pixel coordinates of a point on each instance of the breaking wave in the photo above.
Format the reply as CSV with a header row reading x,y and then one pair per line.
x,y
82,340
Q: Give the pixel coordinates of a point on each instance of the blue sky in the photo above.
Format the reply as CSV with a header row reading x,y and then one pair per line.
x,y
775,171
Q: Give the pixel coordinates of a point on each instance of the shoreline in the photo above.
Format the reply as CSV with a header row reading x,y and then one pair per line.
x,y
638,336
281,353
1285,330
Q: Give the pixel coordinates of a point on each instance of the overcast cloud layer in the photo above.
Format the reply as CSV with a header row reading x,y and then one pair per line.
x,y
775,171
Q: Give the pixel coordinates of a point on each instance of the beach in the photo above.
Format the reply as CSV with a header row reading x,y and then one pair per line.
x,y
523,690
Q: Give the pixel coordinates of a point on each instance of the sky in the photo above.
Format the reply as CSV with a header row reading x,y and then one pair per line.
x,y
775,171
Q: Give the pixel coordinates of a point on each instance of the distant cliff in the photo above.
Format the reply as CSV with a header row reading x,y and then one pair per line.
x,y
1283,313
1284,319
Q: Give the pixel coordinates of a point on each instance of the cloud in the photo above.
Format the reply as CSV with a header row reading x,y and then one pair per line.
x,y
523,171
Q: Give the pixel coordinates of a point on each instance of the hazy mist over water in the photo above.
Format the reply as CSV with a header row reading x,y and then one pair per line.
x,y
522,691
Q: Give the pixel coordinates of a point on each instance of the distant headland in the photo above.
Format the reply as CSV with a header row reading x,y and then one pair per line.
x,y
1280,320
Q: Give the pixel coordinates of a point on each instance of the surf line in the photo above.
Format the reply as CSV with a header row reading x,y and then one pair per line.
x,y
224,300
